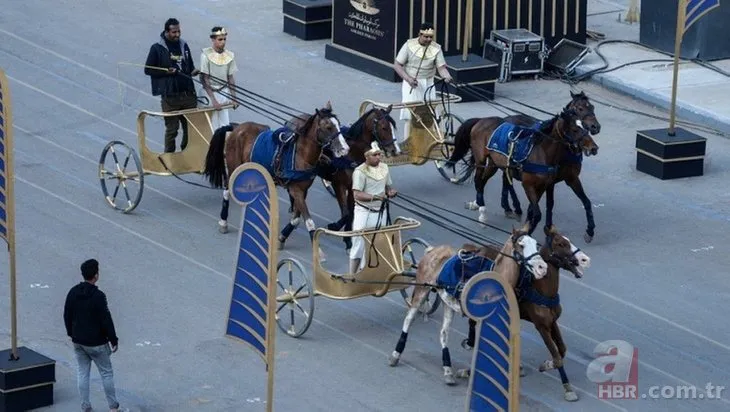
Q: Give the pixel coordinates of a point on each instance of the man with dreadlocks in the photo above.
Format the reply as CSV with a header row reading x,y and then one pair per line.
x,y
416,63
217,66
371,185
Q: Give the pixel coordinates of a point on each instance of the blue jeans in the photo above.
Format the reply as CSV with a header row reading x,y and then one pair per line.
x,y
101,357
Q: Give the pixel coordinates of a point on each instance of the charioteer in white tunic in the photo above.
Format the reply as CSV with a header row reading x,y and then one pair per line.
x,y
416,63
217,66
371,184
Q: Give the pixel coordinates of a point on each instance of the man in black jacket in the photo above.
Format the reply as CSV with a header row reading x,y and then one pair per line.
x,y
90,326
170,67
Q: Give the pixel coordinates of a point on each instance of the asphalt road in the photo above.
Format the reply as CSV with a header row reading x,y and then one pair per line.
x,y
660,254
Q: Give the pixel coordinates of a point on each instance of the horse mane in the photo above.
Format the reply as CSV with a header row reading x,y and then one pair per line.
x,y
302,131
548,125
357,128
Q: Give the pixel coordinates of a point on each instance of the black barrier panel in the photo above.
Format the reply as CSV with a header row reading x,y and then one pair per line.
x,y
706,39
367,34
366,26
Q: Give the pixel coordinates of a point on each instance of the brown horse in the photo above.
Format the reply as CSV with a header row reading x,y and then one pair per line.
x,y
289,155
537,151
568,170
375,125
539,301
519,252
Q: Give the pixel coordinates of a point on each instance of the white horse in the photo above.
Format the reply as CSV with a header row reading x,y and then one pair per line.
x,y
519,250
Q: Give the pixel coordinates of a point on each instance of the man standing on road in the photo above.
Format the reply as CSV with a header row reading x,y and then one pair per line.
x,y
416,63
371,185
175,85
217,66
90,326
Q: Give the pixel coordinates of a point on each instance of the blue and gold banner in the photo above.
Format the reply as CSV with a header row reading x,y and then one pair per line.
x,y
251,314
494,382
6,132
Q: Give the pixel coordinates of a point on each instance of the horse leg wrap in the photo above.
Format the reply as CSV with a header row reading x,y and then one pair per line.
x,y
287,230
401,342
472,332
563,375
446,357
505,200
310,225
224,210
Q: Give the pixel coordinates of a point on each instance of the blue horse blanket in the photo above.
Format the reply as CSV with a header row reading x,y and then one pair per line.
x,y
507,134
268,147
459,269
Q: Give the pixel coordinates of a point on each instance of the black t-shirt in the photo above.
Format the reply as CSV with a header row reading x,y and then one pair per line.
x,y
182,83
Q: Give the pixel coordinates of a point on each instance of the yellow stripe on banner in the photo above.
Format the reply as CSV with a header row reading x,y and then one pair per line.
x,y
253,313
249,330
255,279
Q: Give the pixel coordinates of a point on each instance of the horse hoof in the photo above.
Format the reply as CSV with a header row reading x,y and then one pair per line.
x,y
588,238
571,396
393,361
471,205
512,215
450,380
465,344
223,229
463,373
522,372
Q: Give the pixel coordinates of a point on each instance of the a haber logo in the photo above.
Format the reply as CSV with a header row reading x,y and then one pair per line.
x,y
615,370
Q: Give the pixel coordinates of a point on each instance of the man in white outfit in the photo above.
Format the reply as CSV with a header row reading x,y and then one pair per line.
x,y
371,184
416,63
217,66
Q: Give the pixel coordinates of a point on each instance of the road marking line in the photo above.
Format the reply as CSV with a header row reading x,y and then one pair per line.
x,y
582,284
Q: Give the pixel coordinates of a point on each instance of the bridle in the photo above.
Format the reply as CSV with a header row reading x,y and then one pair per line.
x,y
380,116
522,260
325,142
561,261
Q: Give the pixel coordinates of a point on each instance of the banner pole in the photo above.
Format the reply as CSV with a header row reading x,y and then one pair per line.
x,y
677,50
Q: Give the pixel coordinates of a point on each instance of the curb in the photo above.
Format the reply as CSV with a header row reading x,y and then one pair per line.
x,y
686,112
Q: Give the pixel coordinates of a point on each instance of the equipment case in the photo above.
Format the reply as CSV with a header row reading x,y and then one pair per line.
x,y
518,51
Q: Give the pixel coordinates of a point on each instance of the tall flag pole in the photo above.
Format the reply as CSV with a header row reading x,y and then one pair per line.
x,y
251,317
7,201
688,12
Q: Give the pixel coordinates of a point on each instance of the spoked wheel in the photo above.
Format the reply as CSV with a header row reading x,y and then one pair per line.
x,y
413,251
120,163
328,185
295,296
462,170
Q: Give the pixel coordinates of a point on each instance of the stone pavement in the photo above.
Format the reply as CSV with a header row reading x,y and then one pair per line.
x,y
702,95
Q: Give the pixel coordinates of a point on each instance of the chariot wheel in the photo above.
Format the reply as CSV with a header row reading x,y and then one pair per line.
x,y
119,162
463,169
295,298
328,185
413,251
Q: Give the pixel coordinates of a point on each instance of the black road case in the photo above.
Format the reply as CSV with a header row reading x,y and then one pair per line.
x,y
518,51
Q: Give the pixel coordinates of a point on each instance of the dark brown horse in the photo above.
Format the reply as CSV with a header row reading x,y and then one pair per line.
x,y
539,301
568,170
299,151
375,125
537,151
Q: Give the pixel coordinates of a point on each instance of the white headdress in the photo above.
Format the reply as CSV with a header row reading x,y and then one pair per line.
x,y
374,148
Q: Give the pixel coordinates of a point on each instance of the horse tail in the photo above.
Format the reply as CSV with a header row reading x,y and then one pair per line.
x,y
215,162
462,142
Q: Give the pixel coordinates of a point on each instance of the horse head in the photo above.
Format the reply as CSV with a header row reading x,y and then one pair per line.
x,y
560,252
375,125
328,131
382,130
525,252
573,133
585,111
